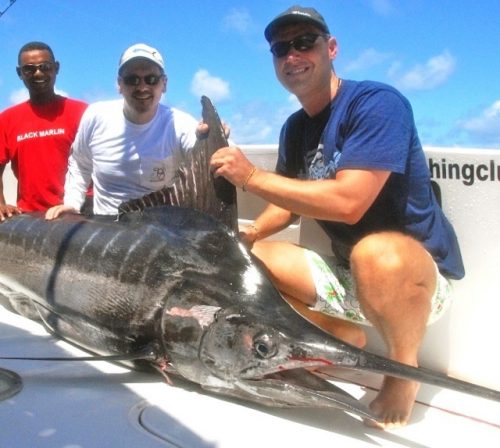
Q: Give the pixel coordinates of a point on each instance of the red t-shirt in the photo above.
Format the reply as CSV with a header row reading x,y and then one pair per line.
x,y
36,139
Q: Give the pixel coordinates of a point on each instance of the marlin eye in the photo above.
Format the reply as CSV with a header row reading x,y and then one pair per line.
x,y
264,346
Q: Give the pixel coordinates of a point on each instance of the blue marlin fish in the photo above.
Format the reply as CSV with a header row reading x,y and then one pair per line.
x,y
172,287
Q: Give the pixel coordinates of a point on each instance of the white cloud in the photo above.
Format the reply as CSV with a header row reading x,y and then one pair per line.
x,y
433,73
367,59
260,123
21,95
293,105
61,92
204,83
382,7
486,125
18,96
250,129
238,19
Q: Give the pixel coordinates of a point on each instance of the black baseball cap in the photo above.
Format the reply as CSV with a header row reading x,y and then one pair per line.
x,y
296,14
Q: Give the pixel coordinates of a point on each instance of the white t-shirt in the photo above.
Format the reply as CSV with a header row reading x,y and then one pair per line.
x,y
125,160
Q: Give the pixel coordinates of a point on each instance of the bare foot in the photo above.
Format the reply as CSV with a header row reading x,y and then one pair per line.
x,y
393,403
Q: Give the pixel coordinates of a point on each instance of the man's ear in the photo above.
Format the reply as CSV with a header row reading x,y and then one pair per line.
x,y
18,71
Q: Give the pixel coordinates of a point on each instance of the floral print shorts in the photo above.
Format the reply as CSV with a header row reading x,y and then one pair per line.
x,y
336,293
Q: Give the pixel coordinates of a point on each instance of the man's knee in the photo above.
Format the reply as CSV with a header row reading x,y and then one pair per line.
x,y
393,259
271,253
380,252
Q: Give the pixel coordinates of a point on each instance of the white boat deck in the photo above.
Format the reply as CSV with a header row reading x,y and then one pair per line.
x,y
98,404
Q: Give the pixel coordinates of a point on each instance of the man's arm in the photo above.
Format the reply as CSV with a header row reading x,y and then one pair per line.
x,y
270,221
343,199
2,197
77,183
6,210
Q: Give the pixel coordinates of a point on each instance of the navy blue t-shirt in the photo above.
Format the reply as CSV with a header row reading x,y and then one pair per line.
x,y
370,125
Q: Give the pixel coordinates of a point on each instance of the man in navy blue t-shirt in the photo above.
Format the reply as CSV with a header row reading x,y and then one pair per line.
x,y
350,158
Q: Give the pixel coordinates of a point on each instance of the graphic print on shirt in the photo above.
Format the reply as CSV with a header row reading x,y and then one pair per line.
x,y
318,169
158,174
155,173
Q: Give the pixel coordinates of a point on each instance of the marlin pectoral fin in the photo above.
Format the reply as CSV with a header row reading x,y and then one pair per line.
x,y
19,302
309,390
294,388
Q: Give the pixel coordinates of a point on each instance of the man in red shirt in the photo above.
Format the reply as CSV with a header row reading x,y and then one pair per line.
x,y
36,136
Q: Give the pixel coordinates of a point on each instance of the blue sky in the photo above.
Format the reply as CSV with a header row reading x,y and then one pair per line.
x,y
442,54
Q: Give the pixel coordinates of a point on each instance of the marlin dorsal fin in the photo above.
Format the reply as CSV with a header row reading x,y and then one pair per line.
x,y
194,185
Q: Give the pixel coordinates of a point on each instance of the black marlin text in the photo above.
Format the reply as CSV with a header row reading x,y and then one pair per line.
x,y
40,134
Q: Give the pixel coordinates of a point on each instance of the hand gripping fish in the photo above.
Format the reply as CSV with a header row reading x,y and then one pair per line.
x,y
172,286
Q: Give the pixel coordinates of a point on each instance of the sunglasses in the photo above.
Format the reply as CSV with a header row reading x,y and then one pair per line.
x,y
300,43
31,69
135,80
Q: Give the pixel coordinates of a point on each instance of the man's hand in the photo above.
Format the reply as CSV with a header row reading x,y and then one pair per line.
x,y
249,233
58,210
7,211
202,129
231,163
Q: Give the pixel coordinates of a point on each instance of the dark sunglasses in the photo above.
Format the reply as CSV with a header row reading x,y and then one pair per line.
x,y
301,43
31,69
135,80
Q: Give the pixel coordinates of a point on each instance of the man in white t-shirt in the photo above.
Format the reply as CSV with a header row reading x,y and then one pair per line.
x,y
131,146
